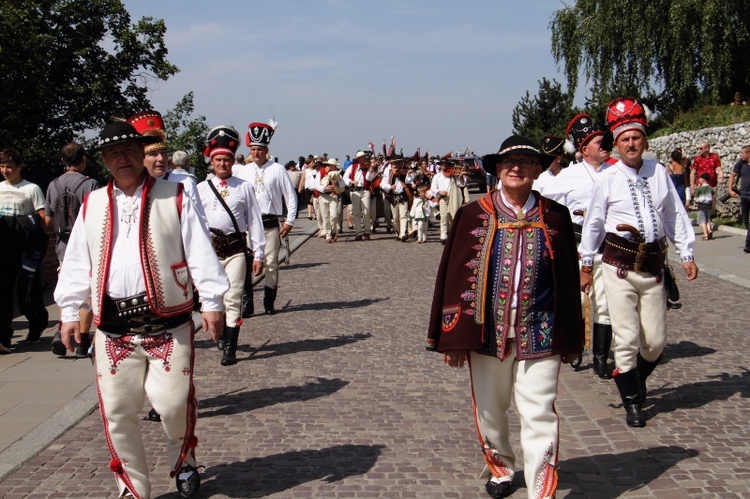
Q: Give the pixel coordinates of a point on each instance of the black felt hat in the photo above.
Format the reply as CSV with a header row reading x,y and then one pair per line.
x,y
517,144
117,132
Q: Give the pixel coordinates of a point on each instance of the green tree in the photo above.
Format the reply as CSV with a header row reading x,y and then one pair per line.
x,y
547,113
67,66
683,52
187,134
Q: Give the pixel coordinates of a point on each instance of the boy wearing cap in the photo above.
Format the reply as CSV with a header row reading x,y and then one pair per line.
x,y
506,301
634,208
142,306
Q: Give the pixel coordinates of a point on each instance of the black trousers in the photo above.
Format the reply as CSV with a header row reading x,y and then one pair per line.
x,y
745,207
34,310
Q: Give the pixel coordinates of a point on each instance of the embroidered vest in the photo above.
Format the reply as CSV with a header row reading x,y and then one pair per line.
x,y
169,287
523,243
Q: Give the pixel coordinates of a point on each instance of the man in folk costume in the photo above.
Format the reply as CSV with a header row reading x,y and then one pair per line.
x,y
358,177
233,214
274,191
447,188
573,188
137,248
634,207
394,183
330,185
506,300
156,160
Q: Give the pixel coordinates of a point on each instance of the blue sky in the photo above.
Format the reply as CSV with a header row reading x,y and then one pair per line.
x,y
336,74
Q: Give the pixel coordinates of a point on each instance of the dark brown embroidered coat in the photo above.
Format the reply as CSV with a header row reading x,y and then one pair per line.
x,y
460,314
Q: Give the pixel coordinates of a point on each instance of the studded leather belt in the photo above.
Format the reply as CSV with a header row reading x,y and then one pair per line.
x,y
630,255
132,315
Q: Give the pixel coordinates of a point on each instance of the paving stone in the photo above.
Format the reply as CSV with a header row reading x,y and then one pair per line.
x,y
335,396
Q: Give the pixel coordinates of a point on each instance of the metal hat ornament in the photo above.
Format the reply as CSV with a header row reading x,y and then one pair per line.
x,y
552,144
259,134
580,130
222,139
626,113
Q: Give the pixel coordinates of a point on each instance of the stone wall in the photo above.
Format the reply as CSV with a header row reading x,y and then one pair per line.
x,y
725,141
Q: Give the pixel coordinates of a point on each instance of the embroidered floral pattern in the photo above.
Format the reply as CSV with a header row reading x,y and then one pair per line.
x,y
161,347
546,481
525,244
494,460
118,349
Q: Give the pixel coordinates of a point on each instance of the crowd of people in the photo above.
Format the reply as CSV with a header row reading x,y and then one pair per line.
x,y
507,290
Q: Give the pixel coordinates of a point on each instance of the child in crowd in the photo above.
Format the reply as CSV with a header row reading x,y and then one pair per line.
x,y
704,199
420,212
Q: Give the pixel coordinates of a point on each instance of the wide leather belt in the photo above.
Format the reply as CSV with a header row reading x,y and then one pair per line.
x,y
132,315
400,198
358,188
270,221
227,245
629,255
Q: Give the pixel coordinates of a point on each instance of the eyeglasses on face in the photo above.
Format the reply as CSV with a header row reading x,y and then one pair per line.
x,y
521,163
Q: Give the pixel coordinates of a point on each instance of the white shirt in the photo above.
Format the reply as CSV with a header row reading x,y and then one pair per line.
x,y
397,186
613,203
572,187
273,188
240,198
189,188
182,175
363,173
530,203
544,181
125,272
23,198
442,183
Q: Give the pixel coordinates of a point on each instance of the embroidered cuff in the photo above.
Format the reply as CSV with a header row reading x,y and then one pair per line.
x,y
687,258
587,262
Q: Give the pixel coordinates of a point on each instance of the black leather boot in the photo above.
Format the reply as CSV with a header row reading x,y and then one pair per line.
x,y
600,343
269,297
222,341
576,363
645,368
248,307
630,391
230,349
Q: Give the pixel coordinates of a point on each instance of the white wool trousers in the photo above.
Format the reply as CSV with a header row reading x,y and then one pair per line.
x,y
638,310
271,256
329,209
235,268
534,383
361,211
445,218
401,218
131,368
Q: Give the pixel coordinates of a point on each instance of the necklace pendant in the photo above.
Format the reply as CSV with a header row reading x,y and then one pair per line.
x,y
224,193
